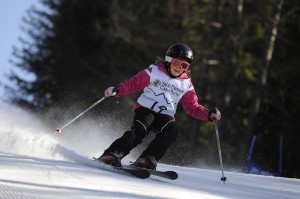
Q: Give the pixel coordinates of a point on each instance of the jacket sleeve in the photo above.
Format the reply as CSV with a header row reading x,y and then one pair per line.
x,y
190,104
134,84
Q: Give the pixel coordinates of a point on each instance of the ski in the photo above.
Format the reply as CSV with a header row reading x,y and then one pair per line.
x,y
139,173
143,174
171,175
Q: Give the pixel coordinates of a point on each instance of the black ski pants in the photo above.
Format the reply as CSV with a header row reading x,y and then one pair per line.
x,y
144,121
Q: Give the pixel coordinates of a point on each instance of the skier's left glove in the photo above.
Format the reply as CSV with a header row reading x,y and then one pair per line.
x,y
111,91
214,114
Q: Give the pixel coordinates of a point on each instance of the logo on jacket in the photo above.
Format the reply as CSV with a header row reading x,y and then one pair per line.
x,y
156,83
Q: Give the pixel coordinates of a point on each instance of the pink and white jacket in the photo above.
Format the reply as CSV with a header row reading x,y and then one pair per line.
x,y
161,93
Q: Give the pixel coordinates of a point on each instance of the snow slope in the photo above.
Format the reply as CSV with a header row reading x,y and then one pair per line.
x,y
35,163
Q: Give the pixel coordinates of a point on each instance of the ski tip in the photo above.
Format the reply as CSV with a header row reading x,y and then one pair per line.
x,y
173,175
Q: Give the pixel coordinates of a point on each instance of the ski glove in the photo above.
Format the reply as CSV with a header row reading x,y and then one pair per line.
x,y
214,114
111,91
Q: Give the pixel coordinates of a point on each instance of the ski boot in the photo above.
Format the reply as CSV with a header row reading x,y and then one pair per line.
x,y
111,158
147,162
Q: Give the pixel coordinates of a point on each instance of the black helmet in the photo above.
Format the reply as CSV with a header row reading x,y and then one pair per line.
x,y
179,50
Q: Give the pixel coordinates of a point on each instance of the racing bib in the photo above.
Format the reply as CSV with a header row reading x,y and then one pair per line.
x,y
163,93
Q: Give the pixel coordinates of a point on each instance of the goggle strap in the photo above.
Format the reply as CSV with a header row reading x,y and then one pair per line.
x,y
168,59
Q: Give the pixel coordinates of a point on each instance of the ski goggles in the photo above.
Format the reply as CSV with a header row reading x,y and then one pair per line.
x,y
179,63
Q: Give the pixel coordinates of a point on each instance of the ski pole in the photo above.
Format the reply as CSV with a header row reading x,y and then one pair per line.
x,y
58,130
223,178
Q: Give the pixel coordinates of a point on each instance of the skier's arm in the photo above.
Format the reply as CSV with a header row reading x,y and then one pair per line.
x,y
190,104
133,84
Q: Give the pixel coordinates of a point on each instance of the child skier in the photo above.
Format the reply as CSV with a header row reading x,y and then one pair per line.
x,y
164,85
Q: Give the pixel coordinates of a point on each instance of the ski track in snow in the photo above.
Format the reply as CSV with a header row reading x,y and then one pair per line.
x,y
36,163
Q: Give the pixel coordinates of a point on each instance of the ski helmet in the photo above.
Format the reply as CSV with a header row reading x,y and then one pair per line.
x,y
181,51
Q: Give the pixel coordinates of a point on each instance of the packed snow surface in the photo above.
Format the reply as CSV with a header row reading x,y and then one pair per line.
x,y
36,163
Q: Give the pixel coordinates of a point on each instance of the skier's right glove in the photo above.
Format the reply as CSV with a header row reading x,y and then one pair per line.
x,y
214,114
111,91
